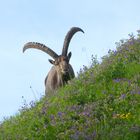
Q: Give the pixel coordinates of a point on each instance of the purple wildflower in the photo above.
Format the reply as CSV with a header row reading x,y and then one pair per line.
x,y
44,110
52,117
60,114
115,52
132,92
123,96
117,80
94,134
86,113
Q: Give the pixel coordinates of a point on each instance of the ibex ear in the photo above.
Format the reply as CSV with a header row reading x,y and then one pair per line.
x,y
69,55
51,61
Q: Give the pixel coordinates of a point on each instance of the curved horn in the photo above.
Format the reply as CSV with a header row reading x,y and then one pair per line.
x,y
41,47
68,38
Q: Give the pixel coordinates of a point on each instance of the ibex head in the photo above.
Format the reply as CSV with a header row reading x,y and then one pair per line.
x,y
63,70
62,63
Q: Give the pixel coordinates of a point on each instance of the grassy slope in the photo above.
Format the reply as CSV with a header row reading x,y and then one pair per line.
x,y
103,102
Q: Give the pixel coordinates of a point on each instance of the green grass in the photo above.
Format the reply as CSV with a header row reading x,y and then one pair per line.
x,y
102,103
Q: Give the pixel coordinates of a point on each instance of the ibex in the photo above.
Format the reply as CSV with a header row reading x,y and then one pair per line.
x,y
61,71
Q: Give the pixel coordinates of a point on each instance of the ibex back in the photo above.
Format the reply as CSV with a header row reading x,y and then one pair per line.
x,y
61,71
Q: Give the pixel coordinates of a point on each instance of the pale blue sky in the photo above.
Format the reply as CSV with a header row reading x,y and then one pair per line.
x,y
104,23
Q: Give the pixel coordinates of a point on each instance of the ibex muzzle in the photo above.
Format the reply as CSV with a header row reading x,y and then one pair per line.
x,y
62,71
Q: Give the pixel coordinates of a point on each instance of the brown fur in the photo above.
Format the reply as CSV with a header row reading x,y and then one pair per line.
x,y
62,71
56,78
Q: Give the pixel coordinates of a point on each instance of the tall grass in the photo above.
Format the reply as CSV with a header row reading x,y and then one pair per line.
x,y
102,103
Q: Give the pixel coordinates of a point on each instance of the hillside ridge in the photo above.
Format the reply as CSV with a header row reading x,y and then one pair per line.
x,y
102,102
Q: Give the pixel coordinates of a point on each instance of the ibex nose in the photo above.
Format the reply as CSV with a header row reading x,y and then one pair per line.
x,y
65,70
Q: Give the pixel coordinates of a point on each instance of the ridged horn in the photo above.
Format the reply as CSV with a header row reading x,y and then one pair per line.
x,y
68,38
41,47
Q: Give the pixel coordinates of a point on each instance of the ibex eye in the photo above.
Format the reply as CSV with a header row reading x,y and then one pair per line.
x,y
56,63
